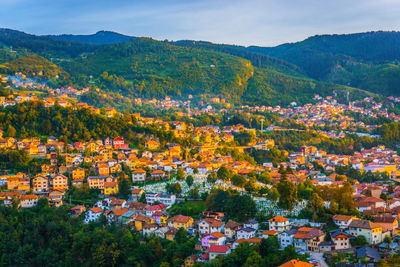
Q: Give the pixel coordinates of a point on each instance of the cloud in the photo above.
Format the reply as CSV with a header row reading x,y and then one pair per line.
x,y
251,22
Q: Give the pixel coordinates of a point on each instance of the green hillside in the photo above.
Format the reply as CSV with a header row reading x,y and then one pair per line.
x,y
144,67
151,68
33,65
365,60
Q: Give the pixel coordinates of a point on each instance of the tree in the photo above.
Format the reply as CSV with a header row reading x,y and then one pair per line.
x,y
212,178
288,194
273,194
316,202
124,188
223,174
238,180
180,175
189,180
11,132
143,198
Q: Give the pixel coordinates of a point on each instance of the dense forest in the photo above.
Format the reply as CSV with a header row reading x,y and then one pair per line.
x,y
44,236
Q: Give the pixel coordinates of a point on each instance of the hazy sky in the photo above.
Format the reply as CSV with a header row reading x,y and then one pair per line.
x,y
246,22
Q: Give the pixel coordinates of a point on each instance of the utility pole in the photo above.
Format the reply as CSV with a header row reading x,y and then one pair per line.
x,y
262,124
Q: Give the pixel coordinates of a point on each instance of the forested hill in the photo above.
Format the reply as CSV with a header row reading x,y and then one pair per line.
x,y
368,61
143,67
100,37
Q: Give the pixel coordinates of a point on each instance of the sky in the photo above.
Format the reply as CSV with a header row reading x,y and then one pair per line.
x,y
246,22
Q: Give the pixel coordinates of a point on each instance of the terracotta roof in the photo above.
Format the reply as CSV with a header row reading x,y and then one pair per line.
x,y
364,224
339,217
139,171
24,197
278,219
232,224
217,234
296,263
180,219
271,232
250,240
119,212
218,249
137,191
96,209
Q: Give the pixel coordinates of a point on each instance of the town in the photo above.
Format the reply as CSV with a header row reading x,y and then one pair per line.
x,y
329,207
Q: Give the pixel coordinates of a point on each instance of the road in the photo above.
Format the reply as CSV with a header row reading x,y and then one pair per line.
x,y
319,258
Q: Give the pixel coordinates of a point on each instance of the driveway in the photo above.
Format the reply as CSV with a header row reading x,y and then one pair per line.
x,y
319,258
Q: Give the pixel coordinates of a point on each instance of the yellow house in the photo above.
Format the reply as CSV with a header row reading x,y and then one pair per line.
x,y
78,174
60,182
96,182
19,182
152,145
40,184
103,169
116,168
180,221
110,188
142,220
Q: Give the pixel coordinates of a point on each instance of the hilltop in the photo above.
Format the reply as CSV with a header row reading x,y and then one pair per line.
x,y
144,67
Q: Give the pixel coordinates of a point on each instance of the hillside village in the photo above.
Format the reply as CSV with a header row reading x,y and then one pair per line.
x,y
105,165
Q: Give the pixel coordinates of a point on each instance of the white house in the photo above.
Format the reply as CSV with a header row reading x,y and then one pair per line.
x,y
93,214
246,233
279,224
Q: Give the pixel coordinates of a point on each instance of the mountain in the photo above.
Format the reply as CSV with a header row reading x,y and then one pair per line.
x,y
366,60
143,67
100,37
43,45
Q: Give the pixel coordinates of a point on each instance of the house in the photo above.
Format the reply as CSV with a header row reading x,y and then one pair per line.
x,y
190,261
326,246
150,210
252,224
28,201
115,215
170,234
251,241
369,254
40,184
157,174
343,221
231,228
218,250
340,239
110,188
296,263
77,211
180,221
208,226
388,223
308,239
78,174
269,233
60,182
152,145
138,176
166,199
286,238
96,181
137,193
279,224
103,169
246,233
215,238
55,197
149,229
160,217
93,214
371,231
141,220
128,217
